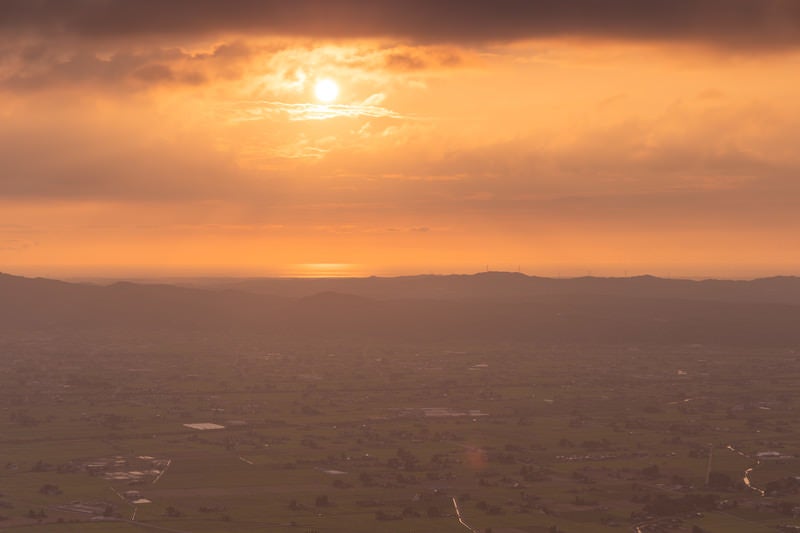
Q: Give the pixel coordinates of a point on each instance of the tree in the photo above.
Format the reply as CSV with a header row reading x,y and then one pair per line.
x,y
172,512
651,471
719,480
49,489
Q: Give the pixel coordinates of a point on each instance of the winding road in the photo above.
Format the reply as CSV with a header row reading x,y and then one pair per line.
x,y
461,520
746,476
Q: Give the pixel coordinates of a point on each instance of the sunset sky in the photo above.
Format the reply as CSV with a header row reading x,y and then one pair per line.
x,y
158,137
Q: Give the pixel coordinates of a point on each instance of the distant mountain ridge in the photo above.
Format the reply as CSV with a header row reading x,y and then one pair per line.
x,y
518,286
488,306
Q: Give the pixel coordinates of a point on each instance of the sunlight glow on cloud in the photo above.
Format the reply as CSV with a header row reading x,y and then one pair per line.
x,y
262,109
564,136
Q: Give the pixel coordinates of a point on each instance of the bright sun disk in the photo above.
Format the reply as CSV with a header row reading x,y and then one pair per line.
x,y
326,90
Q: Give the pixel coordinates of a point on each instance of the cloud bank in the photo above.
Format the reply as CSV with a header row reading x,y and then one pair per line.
x,y
749,24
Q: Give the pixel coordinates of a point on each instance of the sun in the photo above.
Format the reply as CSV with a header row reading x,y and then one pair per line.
x,y
326,90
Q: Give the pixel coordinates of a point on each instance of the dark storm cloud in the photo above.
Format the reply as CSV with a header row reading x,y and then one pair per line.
x,y
730,23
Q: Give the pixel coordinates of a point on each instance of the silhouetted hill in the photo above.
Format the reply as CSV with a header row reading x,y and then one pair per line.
x,y
517,286
487,306
26,303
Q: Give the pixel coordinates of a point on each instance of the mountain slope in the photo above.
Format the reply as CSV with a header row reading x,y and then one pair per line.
x,y
579,317
517,286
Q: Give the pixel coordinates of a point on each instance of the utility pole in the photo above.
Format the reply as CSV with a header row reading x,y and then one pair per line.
x,y
710,457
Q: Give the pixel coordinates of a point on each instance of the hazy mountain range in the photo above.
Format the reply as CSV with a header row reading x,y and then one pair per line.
x,y
489,306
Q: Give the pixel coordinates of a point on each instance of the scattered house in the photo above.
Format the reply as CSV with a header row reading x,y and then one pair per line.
x,y
437,412
92,508
97,467
769,455
204,426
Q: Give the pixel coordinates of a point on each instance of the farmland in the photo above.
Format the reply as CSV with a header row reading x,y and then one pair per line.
x,y
353,435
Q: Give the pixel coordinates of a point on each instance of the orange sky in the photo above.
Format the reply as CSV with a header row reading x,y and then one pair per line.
x,y
609,146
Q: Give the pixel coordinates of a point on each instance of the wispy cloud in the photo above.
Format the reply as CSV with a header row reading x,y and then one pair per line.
x,y
264,109
48,66
15,245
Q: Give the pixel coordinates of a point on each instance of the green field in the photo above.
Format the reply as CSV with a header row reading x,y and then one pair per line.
x,y
341,436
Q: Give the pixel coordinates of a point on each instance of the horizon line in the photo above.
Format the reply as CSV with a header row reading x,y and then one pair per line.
x,y
359,276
